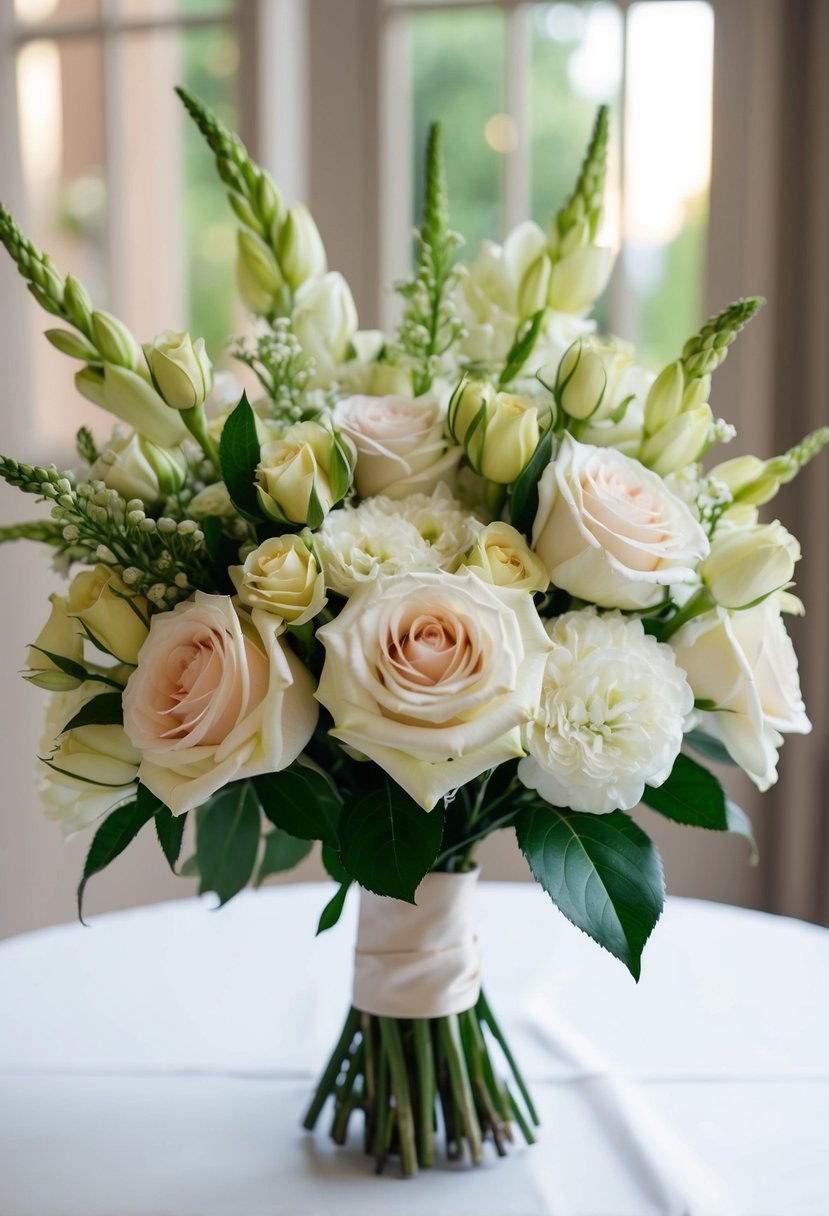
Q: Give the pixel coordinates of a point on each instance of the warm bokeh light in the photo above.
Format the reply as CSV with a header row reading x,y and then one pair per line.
x,y
501,133
39,108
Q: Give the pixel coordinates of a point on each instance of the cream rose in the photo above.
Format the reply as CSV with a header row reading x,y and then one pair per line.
x,y
114,615
281,577
215,697
61,635
302,474
609,531
744,664
501,556
400,444
613,705
135,467
432,676
83,773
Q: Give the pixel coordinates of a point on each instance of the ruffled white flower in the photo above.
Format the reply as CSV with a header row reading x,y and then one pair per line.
x,y
384,537
613,706
83,773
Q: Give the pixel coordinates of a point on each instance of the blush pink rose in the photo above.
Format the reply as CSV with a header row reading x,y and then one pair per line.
x,y
215,697
400,444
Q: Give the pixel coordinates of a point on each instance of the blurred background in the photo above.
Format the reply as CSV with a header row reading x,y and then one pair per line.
x,y
718,188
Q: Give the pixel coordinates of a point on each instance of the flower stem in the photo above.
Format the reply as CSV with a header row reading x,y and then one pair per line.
x,y
329,1077
390,1035
424,1057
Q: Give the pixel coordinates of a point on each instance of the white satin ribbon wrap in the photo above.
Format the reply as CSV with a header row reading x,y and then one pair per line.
x,y
419,960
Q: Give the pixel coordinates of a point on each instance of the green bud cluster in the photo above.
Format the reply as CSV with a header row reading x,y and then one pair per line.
x,y
585,204
704,353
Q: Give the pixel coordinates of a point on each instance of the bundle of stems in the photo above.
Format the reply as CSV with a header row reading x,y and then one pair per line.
x,y
413,1076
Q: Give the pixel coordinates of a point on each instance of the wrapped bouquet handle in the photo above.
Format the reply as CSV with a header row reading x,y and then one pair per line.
x,y
419,960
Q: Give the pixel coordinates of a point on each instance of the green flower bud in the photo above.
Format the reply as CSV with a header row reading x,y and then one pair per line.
x,y
498,431
180,368
535,286
259,262
747,564
77,303
678,443
114,341
299,248
664,401
133,399
69,343
581,381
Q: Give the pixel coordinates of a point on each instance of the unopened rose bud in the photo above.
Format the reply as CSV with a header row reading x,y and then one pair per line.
x,y
180,368
63,636
102,601
136,467
747,564
299,248
502,556
581,381
304,473
498,431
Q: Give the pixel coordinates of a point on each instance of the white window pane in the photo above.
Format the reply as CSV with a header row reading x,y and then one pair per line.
x,y
667,169
35,11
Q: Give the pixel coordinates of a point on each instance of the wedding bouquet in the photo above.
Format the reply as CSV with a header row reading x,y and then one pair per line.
x,y
466,576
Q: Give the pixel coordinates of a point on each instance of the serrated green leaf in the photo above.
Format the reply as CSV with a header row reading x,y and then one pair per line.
x,y
117,831
333,910
228,840
601,871
103,710
239,455
388,842
690,795
708,746
524,497
282,852
76,670
521,349
189,868
302,802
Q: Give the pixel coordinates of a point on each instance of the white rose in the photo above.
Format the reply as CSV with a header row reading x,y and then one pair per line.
x,y
613,704
432,676
744,664
609,531
747,564
502,556
400,444
86,772
281,576
215,698
382,537
325,321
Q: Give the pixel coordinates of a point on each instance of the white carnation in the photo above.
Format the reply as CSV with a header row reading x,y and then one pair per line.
x,y
384,537
613,705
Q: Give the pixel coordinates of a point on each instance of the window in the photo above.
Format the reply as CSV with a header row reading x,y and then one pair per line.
x,y
117,184
516,85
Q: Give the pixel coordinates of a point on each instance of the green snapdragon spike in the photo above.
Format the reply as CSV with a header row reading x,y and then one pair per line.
x,y
63,297
430,324
704,353
585,203
253,195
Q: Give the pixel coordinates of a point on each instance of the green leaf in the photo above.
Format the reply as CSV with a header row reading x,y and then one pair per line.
x,y
76,670
333,910
228,840
302,802
601,871
333,865
524,498
239,456
690,795
103,710
388,842
282,852
115,833
521,349
189,868
708,746
169,829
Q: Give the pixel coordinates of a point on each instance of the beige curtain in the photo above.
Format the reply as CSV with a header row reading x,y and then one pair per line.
x,y
770,235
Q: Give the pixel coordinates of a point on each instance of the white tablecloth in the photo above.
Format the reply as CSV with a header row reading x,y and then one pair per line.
x,y
158,1063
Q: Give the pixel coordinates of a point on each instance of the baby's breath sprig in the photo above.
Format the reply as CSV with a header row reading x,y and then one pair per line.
x,y
282,369
430,325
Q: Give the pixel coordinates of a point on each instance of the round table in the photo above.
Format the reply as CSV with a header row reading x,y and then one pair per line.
x,y
158,1063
